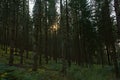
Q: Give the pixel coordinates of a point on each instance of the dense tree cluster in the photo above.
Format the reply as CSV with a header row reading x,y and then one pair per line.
x,y
73,31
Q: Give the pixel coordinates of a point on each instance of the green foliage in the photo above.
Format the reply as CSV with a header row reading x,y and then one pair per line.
x,y
54,66
92,73
51,72
13,73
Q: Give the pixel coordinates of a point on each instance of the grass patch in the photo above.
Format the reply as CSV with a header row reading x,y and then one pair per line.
x,y
51,71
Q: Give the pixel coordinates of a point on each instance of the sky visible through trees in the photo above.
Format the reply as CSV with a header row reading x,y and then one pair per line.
x,y
31,5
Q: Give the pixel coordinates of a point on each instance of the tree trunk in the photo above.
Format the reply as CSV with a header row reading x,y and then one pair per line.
x,y
108,55
11,58
117,11
21,56
35,64
115,61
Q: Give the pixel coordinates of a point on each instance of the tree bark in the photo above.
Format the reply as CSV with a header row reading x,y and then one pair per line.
x,y
117,11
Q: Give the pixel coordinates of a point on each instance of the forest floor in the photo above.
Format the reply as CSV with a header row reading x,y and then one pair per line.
x,y
52,70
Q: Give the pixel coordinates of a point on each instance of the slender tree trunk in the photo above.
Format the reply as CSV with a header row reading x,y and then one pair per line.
x,y
46,33
108,55
40,32
102,55
115,61
27,54
117,11
40,59
35,64
12,33
63,70
36,49
21,56
11,58
68,36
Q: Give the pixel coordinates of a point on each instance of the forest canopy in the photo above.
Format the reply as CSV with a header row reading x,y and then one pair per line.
x,y
83,33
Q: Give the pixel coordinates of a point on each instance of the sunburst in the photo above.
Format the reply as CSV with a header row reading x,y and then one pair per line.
x,y
54,27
